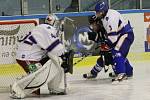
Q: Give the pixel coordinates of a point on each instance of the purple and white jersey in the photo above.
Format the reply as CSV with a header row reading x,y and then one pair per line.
x,y
115,25
41,40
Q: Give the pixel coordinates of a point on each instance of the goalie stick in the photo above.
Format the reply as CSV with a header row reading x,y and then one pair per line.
x,y
68,38
76,37
68,28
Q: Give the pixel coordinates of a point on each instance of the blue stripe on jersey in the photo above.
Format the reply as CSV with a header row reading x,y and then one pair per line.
x,y
127,28
113,33
53,45
32,39
27,42
120,22
25,37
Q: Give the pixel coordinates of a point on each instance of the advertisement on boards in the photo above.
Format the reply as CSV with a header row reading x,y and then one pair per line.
x,y
147,28
10,33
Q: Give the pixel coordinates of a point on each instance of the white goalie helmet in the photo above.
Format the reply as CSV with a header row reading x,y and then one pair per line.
x,y
53,20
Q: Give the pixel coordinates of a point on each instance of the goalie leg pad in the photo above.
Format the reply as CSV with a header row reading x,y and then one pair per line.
x,y
16,92
56,84
33,81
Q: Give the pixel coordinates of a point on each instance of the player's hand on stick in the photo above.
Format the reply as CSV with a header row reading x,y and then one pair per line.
x,y
104,47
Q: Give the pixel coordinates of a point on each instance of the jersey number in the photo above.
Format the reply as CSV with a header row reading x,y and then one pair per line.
x,y
29,39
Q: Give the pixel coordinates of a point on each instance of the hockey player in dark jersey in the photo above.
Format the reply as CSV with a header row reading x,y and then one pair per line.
x,y
99,36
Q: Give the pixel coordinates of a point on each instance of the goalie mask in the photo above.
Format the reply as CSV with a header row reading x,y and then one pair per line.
x,y
53,20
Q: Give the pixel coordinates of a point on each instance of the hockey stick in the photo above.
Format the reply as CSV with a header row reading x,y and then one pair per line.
x,y
68,40
105,70
82,58
68,28
70,20
65,83
103,58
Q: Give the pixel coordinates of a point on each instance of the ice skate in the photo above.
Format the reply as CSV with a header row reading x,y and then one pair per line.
x,y
112,74
89,76
120,77
57,92
16,92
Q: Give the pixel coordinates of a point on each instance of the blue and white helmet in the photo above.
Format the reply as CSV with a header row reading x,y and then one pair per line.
x,y
102,7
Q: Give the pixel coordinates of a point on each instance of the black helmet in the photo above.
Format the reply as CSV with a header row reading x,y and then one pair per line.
x,y
92,19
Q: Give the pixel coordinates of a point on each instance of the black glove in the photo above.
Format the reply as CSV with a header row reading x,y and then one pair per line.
x,y
68,61
92,35
108,58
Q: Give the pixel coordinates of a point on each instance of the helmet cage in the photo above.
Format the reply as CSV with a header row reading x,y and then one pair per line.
x,y
53,21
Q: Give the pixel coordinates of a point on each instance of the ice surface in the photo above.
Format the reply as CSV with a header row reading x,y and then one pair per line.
x,y
137,88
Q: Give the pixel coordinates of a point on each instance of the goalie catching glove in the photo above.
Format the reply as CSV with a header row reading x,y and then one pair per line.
x,y
67,63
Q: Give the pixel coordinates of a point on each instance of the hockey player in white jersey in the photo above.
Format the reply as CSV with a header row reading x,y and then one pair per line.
x,y
120,38
42,55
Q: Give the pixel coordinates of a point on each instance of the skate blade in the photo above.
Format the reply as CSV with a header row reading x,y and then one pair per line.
x,y
120,82
14,97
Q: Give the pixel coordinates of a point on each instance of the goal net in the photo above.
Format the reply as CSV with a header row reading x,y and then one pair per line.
x,y
10,33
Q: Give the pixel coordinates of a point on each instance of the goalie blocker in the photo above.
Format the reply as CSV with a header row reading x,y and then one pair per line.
x,y
67,63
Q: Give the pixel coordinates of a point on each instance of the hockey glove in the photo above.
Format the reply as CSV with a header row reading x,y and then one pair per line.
x,y
68,61
92,36
104,47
